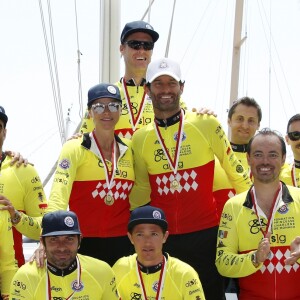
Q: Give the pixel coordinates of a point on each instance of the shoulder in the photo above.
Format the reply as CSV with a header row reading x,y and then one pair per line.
x,y
124,265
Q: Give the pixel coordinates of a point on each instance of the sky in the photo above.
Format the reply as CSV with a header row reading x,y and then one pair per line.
x,y
201,41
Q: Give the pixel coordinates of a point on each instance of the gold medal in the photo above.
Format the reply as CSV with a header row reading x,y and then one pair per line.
x,y
175,184
109,200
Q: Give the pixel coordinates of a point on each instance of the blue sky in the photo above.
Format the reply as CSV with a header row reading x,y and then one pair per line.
x,y
201,41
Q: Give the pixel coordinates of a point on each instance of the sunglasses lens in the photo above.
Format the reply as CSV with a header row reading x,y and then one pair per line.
x,y
113,107
137,45
294,136
98,108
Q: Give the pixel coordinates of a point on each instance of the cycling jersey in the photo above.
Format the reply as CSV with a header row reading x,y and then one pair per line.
x,y
23,187
80,182
190,205
140,114
180,280
290,174
97,281
238,237
7,254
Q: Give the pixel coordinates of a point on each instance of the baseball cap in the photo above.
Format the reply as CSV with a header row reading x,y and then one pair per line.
x,y
138,26
60,222
3,116
147,215
103,90
163,66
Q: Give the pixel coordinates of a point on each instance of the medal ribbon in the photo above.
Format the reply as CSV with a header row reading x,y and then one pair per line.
x,y
258,212
134,121
293,175
109,176
160,281
173,163
48,283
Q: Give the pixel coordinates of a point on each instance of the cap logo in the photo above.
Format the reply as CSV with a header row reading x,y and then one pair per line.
x,y
2,110
148,26
163,65
69,221
156,214
112,89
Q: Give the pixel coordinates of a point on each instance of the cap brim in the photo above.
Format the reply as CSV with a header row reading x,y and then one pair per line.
x,y
55,233
152,33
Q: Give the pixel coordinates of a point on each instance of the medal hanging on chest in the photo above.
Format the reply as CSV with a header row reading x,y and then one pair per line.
x,y
175,181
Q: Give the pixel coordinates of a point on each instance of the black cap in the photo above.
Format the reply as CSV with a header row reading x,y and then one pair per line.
x,y
103,90
60,222
3,116
138,26
147,215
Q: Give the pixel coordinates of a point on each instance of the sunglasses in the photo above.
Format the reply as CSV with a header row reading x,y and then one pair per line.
x,y
99,108
137,45
294,136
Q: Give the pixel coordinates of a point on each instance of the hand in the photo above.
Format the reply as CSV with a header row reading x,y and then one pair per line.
x,y
75,136
38,256
17,159
7,206
203,111
295,252
263,250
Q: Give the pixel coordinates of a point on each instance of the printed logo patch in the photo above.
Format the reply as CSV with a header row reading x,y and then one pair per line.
x,y
77,287
69,221
64,164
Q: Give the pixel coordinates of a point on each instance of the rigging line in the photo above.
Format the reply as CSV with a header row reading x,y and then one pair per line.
x,y
245,53
280,64
78,68
170,30
273,65
148,11
59,110
48,56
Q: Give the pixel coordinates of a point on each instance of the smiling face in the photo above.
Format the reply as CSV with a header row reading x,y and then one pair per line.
x,y
136,60
148,240
61,250
243,124
266,158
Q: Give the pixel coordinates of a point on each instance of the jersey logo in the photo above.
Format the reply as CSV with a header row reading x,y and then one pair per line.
x,y
77,287
283,209
64,164
176,136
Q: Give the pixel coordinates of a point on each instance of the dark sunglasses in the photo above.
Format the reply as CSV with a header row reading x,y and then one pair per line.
x,y
137,45
294,136
99,108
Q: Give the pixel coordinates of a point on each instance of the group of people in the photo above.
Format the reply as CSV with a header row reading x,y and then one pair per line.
x,y
167,204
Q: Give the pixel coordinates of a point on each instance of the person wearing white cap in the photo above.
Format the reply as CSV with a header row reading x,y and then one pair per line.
x,y
94,177
174,168
66,274
151,273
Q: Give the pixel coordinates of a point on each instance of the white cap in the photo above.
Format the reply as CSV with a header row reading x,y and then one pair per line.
x,y
163,66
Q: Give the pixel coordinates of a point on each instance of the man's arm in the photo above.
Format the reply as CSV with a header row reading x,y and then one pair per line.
x,y
295,252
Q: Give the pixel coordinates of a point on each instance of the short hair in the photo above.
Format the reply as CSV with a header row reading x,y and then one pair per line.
x,y
250,102
292,120
268,132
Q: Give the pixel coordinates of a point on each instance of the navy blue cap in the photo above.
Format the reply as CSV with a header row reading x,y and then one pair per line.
x,y
147,215
103,90
3,116
60,222
138,26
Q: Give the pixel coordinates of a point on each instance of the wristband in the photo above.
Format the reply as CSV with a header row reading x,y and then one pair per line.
x,y
17,217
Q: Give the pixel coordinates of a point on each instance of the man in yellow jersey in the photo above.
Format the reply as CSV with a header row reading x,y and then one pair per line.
x,y
66,274
290,174
244,118
7,255
174,169
22,193
258,237
151,273
137,42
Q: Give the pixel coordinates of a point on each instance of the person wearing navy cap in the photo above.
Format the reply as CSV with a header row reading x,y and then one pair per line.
x,y
94,177
151,273
66,274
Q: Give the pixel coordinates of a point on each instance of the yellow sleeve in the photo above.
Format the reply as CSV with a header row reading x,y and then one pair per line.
x,y
8,267
64,176
140,194
87,124
229,261
237,174
34,201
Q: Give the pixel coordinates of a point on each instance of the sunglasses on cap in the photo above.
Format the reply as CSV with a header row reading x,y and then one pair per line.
x,y
137,45
294,136
99,108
